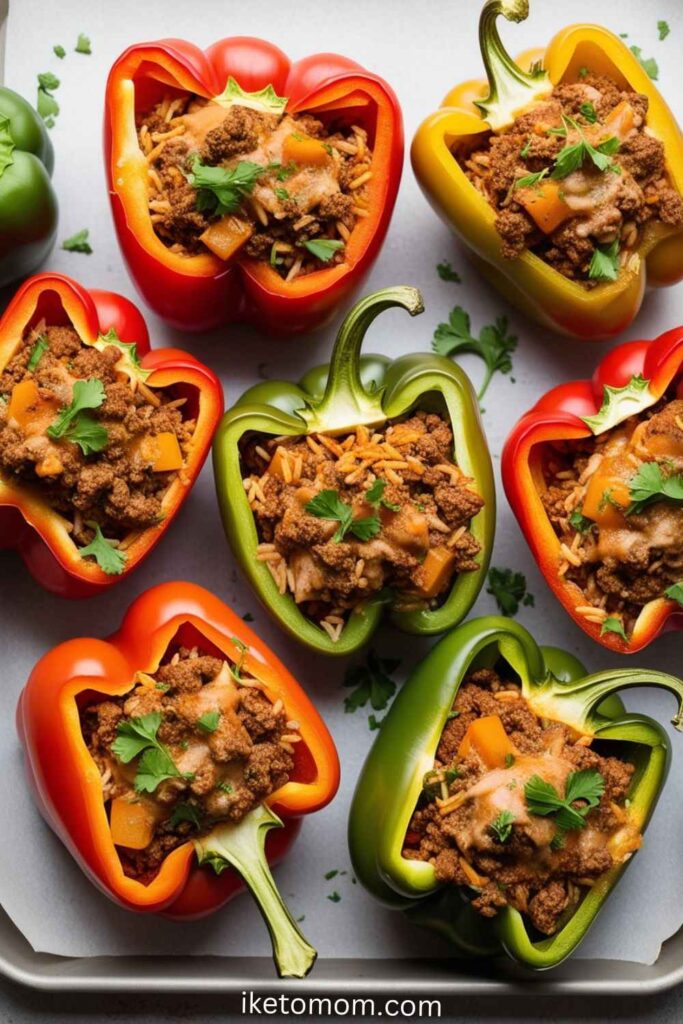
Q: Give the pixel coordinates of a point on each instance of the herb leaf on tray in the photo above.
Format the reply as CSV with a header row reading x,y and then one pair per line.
x,y
371,682
494,345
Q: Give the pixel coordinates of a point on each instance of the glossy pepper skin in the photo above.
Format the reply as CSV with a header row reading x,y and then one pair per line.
x,y
633,377
334,398
27,523
67,787
203,291
28,204
556,686
536,288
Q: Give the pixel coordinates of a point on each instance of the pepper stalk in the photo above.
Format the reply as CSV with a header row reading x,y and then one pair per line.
x,y
511,89
242,846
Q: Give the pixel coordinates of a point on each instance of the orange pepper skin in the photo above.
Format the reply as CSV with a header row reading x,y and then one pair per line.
x,y
203,292
65,780
558,416
530,284
27,523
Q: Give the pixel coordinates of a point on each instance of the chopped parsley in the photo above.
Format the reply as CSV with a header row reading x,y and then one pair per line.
x,y
323,248
331,874
164,687
531,180
509,589
185,812
648,64
220,190
374,496
110,559
524,151
589,112
46,104
137,737
370,682
374,723
447,273
494,345
208,722
334,897
613,625
663,29
675,592
281,194
78,242
83,44
573,155
604,264
328,505
650,485
543,799
37,353
580,522
59,51
74,423
501,826
225,787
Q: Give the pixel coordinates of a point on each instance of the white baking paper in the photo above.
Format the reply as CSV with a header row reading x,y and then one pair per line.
x,y
422,50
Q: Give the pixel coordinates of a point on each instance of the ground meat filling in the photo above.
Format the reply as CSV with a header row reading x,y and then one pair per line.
x,y
585,221
297,187
230,746
401,478
112,478
620,555
529,864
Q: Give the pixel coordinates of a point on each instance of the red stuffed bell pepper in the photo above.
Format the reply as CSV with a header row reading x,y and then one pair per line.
x,y
594,474
99,435
272,199
259,755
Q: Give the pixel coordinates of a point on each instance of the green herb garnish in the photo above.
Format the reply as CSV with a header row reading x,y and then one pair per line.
x,y
371,682
543,799
208,722
328,505
59,51
137,737
663,29
509,589
649,64
650,485
221,190
374,496
580,522
74,423
509,760
334,897
83,44
494,345
323,248
37,353
572,157
604,264
531,180
46,104
675,592
446,272
110,559
613,625
589,112
501,826
78,242
185,812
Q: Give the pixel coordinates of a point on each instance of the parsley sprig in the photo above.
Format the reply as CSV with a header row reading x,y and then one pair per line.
x,y
110,559
137,737
494,344
543,799
374,496
604,264
650,485
675,592
328,505
501,826
509,589
220,190
323,248
371,682
74,422
574,154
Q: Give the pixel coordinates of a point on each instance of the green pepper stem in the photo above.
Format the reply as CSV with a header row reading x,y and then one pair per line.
x,y
242,846
577,703
346,402
510,88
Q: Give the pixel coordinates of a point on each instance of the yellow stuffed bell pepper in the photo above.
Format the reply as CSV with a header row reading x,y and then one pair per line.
x,y
477,107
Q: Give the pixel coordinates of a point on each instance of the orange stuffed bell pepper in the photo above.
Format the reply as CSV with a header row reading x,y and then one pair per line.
x,y
594,474
590,296
228,748
245,187
101,438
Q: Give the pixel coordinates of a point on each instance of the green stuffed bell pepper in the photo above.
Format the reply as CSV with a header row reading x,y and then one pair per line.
x,y
489,811
381,401
28,204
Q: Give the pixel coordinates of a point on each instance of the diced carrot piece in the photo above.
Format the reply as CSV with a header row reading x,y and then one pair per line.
x,y
131,824
304,150
276,464
161,451
545,204
435,571
619,121
33,413
225,236
488,738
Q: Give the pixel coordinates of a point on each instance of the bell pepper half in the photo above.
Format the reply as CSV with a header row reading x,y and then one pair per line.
x,y
27,522
201,292
556,686
334,398
67,787
28,204
477,107
633,377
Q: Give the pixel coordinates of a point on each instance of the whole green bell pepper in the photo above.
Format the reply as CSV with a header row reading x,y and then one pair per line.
x,y
335,398
28,204
556,687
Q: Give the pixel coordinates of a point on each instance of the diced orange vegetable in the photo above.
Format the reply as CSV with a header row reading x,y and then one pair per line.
x,y
161,451
618,122
225,236
33,413
435,571
304,150
607,488
545,204
488,738
131,824
276,466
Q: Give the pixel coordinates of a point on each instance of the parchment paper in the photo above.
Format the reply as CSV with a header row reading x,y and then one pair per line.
x,y
422,50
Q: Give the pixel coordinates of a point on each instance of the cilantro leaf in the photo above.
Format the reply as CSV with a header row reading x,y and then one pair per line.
x,y
649,64
110,559
446,272
59,51
543,799
573,155
88,434
494,345
46,104
78,242
613,625
587,785
328,505
133,735
37,353
650,485
75,424
220,190
370,682
155,766
374,496
531,180
501,826
46,80
323,248
334,897
604,264
589,112
580,522
83,44
208,722
663,29
509,589
185,812
675,592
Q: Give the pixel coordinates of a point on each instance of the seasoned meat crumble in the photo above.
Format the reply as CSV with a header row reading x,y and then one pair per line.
x,y
522,860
